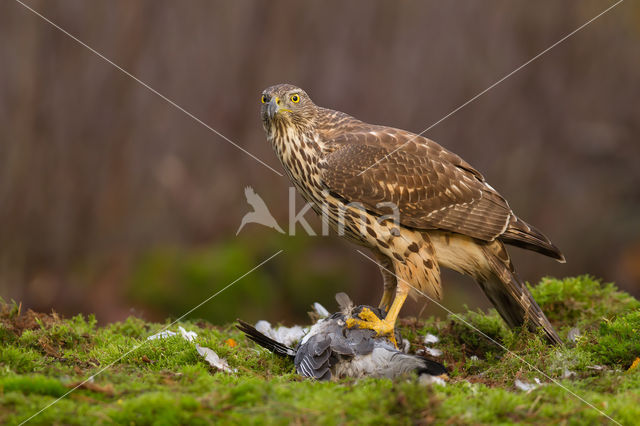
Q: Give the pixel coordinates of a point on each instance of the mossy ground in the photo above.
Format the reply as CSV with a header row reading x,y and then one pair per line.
x,y
166,382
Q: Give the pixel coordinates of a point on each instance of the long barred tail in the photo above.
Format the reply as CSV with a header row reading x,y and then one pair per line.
x,y
510,295
520,234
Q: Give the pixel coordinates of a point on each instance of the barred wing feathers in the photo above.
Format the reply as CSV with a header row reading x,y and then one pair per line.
x,y
432,187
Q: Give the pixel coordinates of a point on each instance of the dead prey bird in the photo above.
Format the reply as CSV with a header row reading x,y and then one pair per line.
x,y
331,350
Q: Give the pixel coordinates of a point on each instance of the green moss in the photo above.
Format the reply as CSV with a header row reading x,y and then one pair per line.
x,y
158,408
166,382
616,342
18,359
581,301
32,385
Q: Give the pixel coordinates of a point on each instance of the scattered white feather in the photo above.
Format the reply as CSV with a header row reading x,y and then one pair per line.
x,y
189,336
209,355
427,379
433,351
406,345
320,310
288,336
430,338
527,387
162,335
430,351
264,327
214,360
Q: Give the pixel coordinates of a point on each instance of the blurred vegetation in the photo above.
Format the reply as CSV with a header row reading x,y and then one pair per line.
x,y
42,356
172,280
111,199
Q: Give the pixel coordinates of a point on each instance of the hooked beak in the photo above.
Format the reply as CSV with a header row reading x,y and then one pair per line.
x,y
273,107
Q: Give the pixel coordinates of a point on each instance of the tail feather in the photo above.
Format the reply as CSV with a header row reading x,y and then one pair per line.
x,y
511,297
521,234
265,341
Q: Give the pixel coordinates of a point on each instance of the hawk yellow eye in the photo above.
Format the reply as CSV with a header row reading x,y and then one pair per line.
x,y
295,99
264,99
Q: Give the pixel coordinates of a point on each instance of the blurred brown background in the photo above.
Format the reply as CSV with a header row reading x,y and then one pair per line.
x,y
112,201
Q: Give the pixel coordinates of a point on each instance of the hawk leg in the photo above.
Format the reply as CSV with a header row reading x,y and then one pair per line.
x,y
387,298
389,280
383,327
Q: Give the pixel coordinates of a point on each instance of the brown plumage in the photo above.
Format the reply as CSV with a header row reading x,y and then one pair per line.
x,y
447,214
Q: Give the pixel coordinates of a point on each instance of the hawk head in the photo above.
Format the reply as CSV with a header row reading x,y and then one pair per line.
x,y
285,105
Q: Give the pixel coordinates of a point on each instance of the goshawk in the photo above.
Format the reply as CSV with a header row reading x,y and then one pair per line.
x,y
356,174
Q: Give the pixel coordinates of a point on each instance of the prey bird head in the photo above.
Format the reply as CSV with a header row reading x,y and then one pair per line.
x,y
285,105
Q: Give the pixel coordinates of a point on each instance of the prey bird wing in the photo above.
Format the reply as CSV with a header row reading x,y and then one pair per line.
x,y
265,341
331,350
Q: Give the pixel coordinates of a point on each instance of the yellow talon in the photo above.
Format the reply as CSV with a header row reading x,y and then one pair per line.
x,y
368,315
370,321
386,326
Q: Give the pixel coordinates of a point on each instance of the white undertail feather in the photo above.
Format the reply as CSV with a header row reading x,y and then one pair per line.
x,y
460,253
